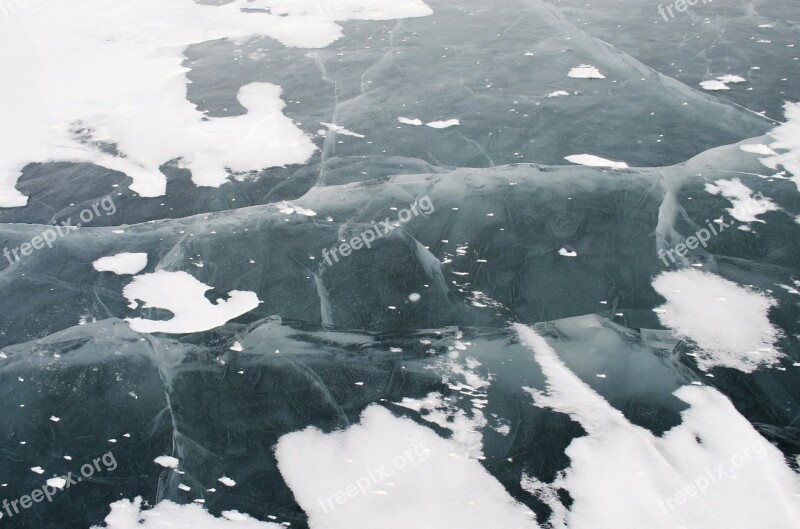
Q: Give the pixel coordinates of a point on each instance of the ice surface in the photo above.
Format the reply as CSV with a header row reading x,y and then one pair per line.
x,y
602,232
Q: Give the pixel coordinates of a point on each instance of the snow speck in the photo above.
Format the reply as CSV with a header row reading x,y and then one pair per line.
x,y
228,482
721,83
585,71
167,461
410,121
56,483
594,161
127,514
443,124
338,129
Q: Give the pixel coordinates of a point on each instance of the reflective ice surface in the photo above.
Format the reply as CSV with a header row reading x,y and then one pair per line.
x,y
362,263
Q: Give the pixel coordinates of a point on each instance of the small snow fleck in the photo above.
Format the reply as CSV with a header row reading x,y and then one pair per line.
x,y
410,121
443,124
56,483
167,461
228,482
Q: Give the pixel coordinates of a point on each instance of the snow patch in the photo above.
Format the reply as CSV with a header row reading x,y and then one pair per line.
x,y
117,53
787,138
595,161
167,461
127,514
338,129
410,121
746,205
184,296
443,124
423,471
621,476
585,71
122,263
721,82
728,323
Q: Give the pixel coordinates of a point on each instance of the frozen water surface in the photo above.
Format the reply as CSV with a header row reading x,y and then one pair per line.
x,y
369,263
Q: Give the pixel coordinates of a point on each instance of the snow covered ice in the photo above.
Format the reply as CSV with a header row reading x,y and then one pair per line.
x,y
595,324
